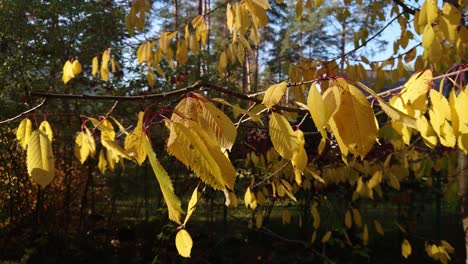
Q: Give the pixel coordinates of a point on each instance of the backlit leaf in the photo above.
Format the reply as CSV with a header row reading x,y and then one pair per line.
x,y
282,136
67,73
299,159
365,235
165,183
274,94
405,248
23,133
197,150
40,159
357,217
326,237
184,243
378,228
102,163
354,123
348,220
115,149
76,67
134,142
316,106
95,66
191,205
47,130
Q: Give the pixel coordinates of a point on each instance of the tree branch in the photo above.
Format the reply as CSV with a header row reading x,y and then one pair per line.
x,y
25,112
406,9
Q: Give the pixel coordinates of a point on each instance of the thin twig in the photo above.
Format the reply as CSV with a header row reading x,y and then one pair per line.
x,y
295,241
25,112
388,92
106,116
271,175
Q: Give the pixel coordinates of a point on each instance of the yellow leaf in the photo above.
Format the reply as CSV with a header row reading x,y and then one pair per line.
x,y
67,73
432,11
299,159
115,149
378,228
365,235
274,94
102,163
391,111
76,67
282,136
23,133
191,205
348,220
105,65
375,180
405,249
40,159
47,130
316,106
134,142
427,132
184,243
393,181
217,123
262,3
95,66
150,78
428,37
182,52
229,17
197,150
249,199
222,64
84,145
326,237
172,201
299,10
357,217
354,123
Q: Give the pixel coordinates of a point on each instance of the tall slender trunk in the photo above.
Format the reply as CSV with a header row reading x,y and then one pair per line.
x,y
462,179
246,82
255,86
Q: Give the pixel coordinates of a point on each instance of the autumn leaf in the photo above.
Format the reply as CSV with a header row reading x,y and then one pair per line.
x,y
348,220
326,237
23,133
134,142
172,201
405,249
84,145
354,123
40,159
67,72
183,243
191,205
274,94
47,130
282,136
378,228
95,66
317,110
197,150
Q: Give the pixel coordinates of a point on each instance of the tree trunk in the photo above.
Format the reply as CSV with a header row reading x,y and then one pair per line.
x,y
463,194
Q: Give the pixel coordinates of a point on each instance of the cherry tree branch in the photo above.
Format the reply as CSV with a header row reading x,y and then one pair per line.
x,y
25,112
